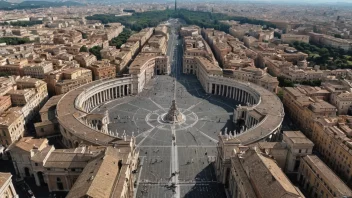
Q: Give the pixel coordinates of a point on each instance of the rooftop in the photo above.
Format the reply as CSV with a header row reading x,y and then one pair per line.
x,y
297,137
52,102
328,175
11,115
4,177
28,143
105,167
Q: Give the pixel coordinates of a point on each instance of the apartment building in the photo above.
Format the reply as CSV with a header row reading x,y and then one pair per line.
x,y
6,186
5,103
11,126
305,104
14,66
298,146
331,137
85,59
189,31
240,30
102,70
38,69
21,152
156,44
68,170
48,125
62,81
290,38
194,46
319,181
251,169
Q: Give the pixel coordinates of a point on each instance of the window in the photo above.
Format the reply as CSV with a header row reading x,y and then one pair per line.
x,y
299,151
59,184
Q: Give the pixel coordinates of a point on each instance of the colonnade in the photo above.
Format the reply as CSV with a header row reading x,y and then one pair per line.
x,y
250,122
106,95
232,92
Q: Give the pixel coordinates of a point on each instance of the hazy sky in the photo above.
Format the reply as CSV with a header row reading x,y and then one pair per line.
x,y
307,1
288,1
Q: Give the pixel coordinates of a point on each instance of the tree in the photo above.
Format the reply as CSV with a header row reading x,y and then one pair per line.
x,y
121,38
96,51
83,49
278,35
14,40
337,36
137,21
280,94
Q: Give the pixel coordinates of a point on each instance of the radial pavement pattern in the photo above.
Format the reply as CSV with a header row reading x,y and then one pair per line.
x,y
176,159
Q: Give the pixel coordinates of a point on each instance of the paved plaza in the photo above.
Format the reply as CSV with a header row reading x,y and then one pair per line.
x,y
187,148
176,159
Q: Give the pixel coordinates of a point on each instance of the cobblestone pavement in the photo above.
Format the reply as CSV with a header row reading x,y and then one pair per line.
x,y
176,159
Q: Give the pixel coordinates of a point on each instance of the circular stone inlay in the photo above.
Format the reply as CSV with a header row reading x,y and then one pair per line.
x,y
156,119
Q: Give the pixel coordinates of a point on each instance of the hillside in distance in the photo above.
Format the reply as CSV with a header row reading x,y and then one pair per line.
x,y
5,5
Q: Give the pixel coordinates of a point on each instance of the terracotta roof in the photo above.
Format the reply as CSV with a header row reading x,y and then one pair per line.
x,y
71,158
264,170
328,175
4,177
102,176
27,144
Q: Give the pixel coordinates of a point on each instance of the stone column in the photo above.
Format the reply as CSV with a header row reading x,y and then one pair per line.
x,y
239,95
223,90
131,89
123,90
243,97
36,178
120,91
